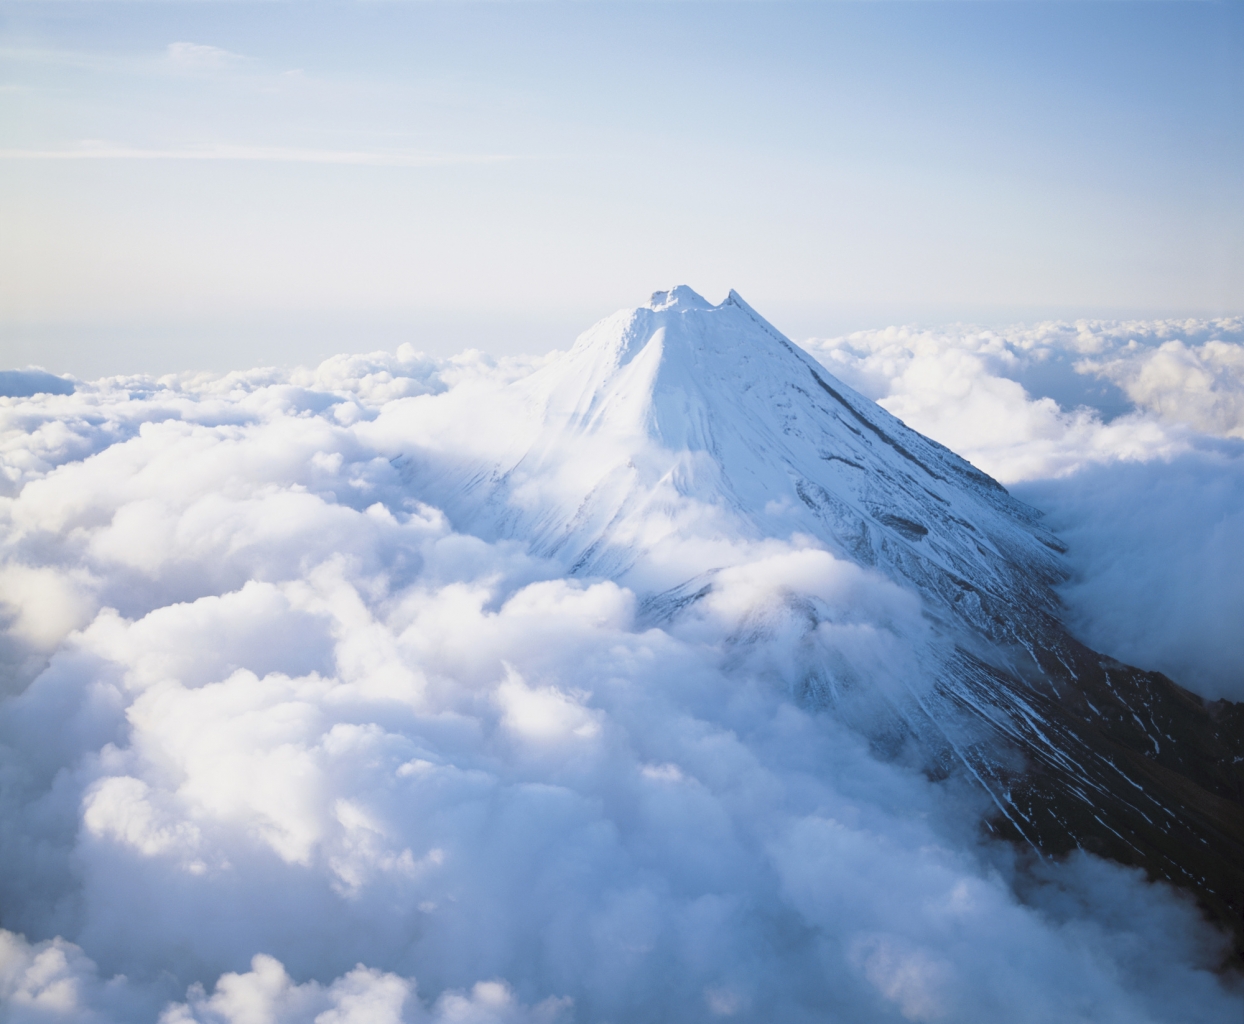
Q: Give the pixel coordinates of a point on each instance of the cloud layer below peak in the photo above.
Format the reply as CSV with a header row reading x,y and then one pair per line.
x,y
279,744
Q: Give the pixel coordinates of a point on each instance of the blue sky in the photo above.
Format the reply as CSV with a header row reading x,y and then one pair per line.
x,y
221,184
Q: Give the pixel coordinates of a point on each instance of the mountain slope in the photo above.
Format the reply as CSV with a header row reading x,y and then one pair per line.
x,y
682,419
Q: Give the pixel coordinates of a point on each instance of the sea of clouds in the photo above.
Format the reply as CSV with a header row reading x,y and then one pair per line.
x,y
279,744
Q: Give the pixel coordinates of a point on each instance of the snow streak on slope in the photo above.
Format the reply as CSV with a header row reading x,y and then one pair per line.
x,y
317,734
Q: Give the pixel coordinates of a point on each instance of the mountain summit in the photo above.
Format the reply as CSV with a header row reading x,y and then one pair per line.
x,y
681,420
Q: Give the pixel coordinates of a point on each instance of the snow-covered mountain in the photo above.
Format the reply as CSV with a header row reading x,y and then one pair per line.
x,y
680,413
674,432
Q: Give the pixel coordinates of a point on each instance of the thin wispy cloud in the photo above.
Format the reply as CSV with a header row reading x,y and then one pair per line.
x,y
176,57
262,154
200,57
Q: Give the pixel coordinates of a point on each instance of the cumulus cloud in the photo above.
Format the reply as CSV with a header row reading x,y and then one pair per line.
x,y
32,381
292,748
1127,435
267,994
1046,400
56,981
1200,385
1157,548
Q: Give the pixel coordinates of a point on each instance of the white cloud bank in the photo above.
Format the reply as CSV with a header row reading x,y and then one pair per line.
x,y
1129,435
279,745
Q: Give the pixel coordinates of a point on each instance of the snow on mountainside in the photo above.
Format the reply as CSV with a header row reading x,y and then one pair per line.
x,y
682,412
673,432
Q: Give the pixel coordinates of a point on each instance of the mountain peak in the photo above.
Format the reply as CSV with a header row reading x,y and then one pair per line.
x,y
680,297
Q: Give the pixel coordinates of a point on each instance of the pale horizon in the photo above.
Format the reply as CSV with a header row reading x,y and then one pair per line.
x,y
198,186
